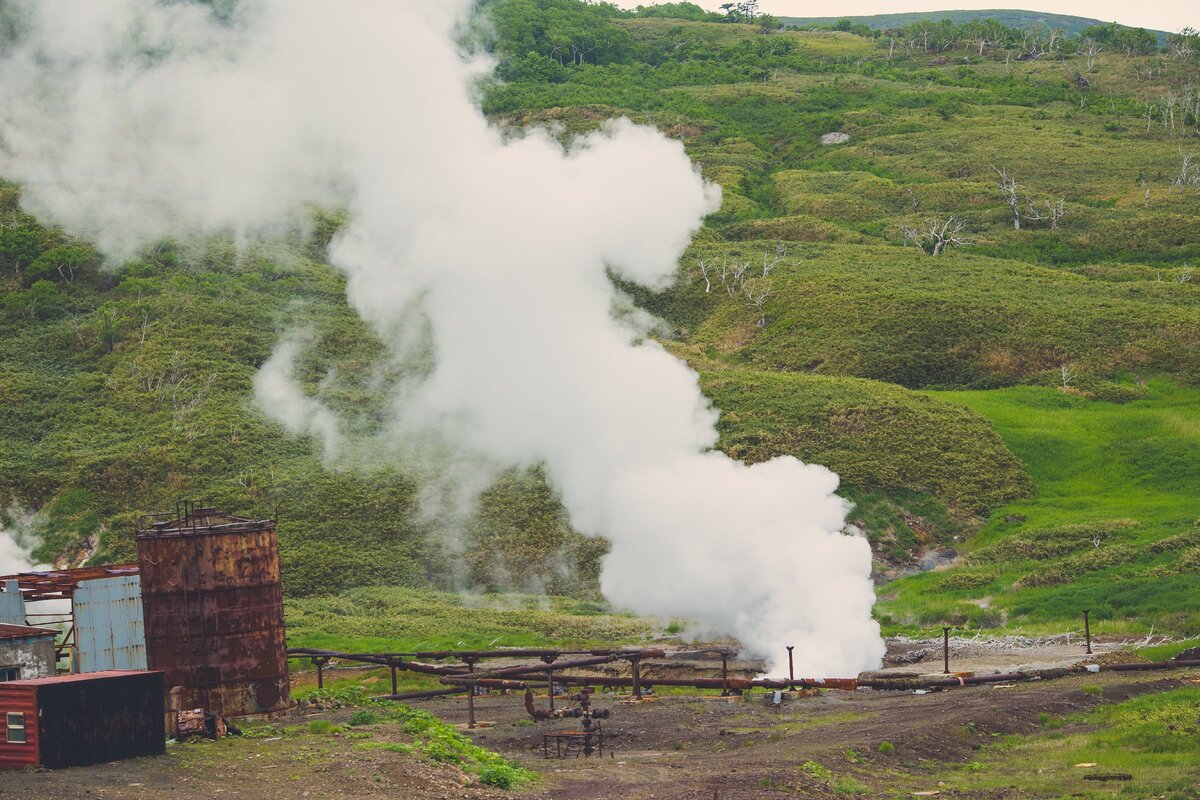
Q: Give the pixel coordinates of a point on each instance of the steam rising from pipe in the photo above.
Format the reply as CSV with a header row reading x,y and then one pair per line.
x,y
128,120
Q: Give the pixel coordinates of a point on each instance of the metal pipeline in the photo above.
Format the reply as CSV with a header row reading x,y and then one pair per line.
x,y
381,660
529,669
845,684
456,675
473,655
921,682
425,695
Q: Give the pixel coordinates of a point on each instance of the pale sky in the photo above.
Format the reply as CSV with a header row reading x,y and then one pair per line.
x,y
1166,15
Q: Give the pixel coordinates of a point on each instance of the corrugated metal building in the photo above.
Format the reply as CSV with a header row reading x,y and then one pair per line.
x,y
26,652
100,610
12,605
214,610
76,720
109,632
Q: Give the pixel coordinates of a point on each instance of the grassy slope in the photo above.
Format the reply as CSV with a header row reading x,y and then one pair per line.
x,y
1113,526
88,444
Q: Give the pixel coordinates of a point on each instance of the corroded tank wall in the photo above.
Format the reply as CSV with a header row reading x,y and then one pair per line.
x,y
214,612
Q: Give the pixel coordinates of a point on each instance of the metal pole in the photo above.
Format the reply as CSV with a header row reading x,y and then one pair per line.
x,y
393,678
724,675
946,650
637,678
320,673
791,669
550,687
1087,630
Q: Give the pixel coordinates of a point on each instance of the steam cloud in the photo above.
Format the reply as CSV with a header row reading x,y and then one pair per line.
x,y
14,557
127,120
17,541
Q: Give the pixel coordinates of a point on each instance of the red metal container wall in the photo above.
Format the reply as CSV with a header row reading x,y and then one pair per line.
x,y
22,700
214,616
99,717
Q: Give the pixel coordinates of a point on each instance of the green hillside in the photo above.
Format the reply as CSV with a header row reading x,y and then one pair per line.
x,y
1010,17
1021,405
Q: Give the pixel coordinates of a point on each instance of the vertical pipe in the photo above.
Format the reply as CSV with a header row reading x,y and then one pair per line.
x,y
320,673
637,677
791,668
471,706
1087,630
393,678
946,650
550,687
724,675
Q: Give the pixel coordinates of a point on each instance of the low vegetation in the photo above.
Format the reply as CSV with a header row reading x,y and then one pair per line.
x,y
1152,740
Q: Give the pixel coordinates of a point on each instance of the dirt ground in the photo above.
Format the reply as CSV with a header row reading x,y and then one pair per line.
x,y
704,748
678,746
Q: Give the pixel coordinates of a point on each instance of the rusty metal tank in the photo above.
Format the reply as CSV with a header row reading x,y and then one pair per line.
x,y
214,610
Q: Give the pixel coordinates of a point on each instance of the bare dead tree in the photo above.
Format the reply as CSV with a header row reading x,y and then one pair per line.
x,y
1189,172
1150,109
1091,50
1053,41
936,235
1012,194
913,202
704,267
1066,374
757,290
737,276
1040,210
1184,276
772,259
946,233
1183,44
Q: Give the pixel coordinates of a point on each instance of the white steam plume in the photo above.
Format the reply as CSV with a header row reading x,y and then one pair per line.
x,y
130,119
281,395
14,557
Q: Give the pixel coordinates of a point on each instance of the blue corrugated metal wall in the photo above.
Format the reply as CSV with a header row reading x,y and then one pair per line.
x,y
109,632
12,607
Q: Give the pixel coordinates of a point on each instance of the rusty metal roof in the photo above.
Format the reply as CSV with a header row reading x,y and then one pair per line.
x,y
24,632
75,678
62,583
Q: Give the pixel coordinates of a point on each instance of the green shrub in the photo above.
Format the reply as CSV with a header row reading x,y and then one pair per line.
x,y
362,717
961,579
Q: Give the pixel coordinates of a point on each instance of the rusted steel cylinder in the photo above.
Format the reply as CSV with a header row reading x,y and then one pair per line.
x,y
213,606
